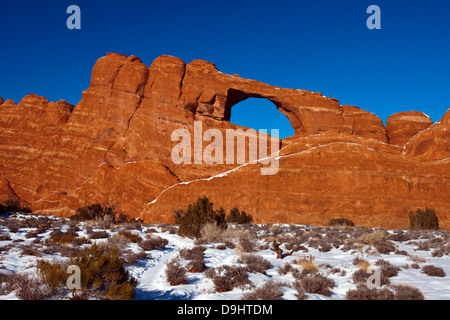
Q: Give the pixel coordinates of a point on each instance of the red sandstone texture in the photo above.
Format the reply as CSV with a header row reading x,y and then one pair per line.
x,y
115,145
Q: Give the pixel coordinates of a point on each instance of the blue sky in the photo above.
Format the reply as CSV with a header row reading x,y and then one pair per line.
x,y
315,45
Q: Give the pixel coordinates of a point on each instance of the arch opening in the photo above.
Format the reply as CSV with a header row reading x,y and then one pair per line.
x,y
259,113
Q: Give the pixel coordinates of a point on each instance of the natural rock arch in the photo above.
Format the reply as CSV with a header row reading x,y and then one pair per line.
x,y
259,113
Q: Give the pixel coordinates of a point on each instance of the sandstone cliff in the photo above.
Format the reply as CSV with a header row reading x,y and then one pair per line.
x,y
115,145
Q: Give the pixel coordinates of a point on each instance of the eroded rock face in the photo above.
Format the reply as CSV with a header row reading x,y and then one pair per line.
x,y
115,145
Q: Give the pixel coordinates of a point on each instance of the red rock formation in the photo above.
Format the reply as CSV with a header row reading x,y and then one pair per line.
x,y
115,145
432,144
401,127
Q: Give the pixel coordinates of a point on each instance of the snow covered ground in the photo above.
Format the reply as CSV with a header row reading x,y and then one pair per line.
x,y
335,252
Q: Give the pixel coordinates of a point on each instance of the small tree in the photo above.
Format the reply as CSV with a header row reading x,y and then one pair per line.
x,y
197,215
338,222
240,217
423,219
178,215
12,205
99,212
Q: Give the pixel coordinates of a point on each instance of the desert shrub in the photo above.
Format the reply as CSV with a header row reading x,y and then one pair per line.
x,y
132,224
387,269
53,273
5,237
285,269
196,266
255,263
433,271
423,219
130,257
131,236
167,228
13,225
324,246
399,235
301,295
440,251
317,283
406,292
61,239
269,290
384,246
30,250
6,283
153,243
30,288
175,273
98,234
361,276
341,222
239,217
195,253
197,215
226,278
103,274
362,292
247,244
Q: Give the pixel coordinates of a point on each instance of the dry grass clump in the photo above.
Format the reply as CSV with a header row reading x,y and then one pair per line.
x,y
269,290
363,265
213,233
104,221
372,237
308,264
416,258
